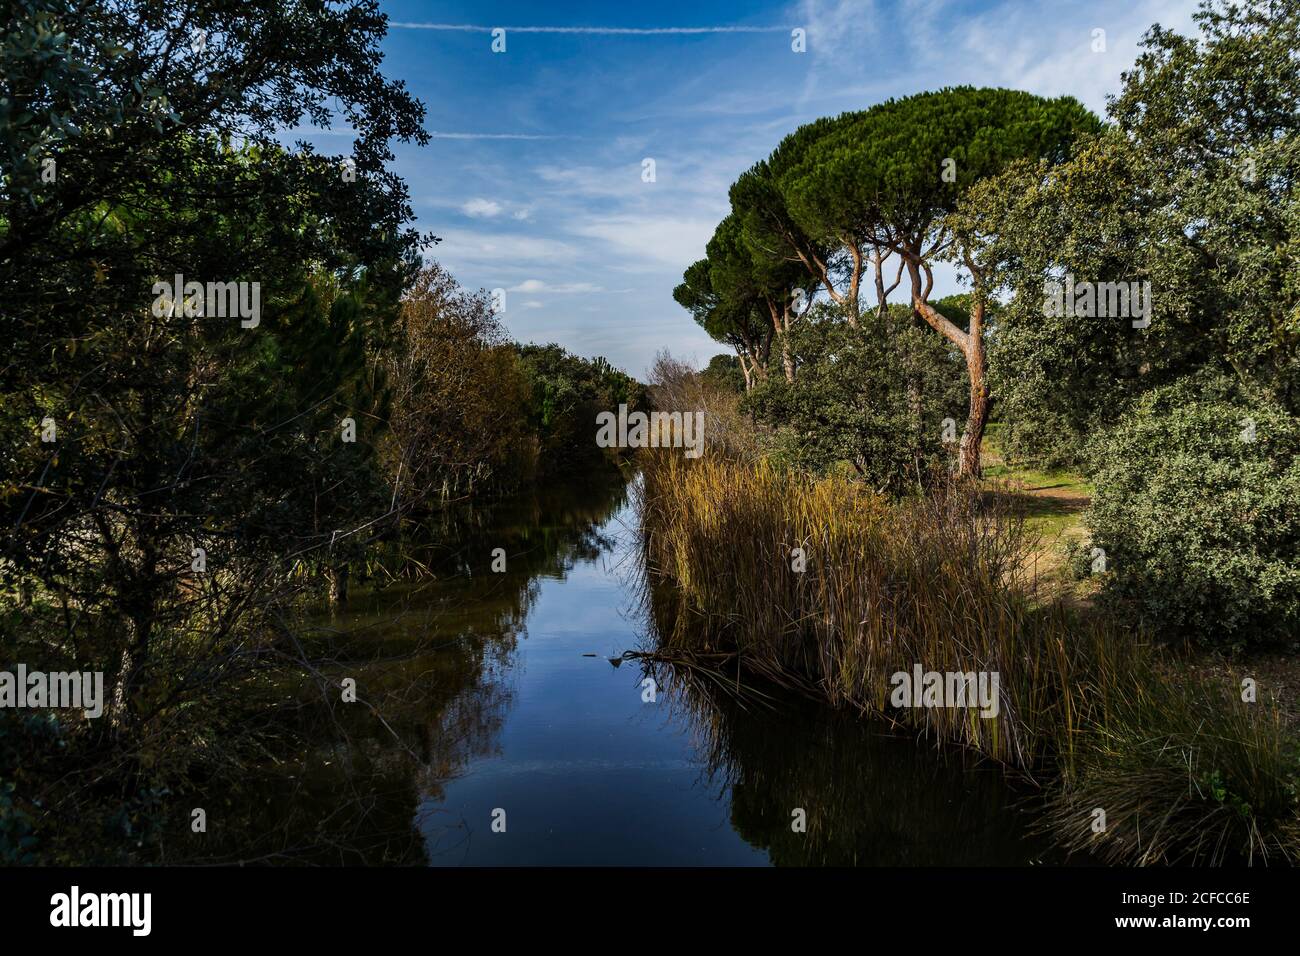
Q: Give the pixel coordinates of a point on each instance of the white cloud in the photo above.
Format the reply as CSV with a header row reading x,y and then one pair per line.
x,y
481,208
838,29
652,242
594,182
537,285
1013,45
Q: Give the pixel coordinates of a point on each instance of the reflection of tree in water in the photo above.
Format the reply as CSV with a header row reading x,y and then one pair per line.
x,y
546,531
870,798
432,657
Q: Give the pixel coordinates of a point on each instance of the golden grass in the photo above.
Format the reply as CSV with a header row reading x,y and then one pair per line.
x,y
940,581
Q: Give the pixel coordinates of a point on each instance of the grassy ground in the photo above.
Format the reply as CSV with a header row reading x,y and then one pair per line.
x,y
1053,503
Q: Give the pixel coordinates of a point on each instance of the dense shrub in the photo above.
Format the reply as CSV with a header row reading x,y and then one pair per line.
x,y
675,385
875,397
564,394
1193,188
725,372
477,414
459,416
1198,510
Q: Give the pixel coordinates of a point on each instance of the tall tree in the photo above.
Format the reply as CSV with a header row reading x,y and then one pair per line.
x,y
1192,190
779,288
890,176
776,240
162,458
737,323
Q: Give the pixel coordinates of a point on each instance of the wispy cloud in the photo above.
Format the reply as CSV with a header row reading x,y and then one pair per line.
x,y
651,243
1012,45
839,30
501,251
593,182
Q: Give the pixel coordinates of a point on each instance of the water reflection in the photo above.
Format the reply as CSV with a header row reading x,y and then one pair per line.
x,y
433,655
493,690
868,798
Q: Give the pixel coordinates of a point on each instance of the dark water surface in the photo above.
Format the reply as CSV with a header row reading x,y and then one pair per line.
x,y
491,703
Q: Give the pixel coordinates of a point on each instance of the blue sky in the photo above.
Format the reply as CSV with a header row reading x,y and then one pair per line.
x,y
534,176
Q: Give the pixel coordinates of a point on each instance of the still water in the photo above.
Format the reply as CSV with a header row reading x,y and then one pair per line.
x,y
500,702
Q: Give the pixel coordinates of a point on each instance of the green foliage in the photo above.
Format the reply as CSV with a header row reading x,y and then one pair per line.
x,y
178,431
845,193
1193,190
874,397
567,392
740,295
724,372
1197,508
459,425
879,173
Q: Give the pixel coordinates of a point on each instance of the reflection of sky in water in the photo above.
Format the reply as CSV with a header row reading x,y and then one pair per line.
x,y
590,774
586,772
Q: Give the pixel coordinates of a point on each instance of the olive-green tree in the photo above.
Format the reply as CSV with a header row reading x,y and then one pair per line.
x,y
1194,191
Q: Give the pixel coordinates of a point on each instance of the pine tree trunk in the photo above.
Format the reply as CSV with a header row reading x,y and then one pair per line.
x,y
973,437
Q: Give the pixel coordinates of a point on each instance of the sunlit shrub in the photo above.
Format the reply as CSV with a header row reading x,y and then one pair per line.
x,y
1197,508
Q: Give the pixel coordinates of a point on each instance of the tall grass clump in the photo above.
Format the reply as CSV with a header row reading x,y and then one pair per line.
x,y
1083,705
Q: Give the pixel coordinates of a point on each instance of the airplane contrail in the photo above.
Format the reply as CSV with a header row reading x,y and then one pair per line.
x,y
437,135
603,31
